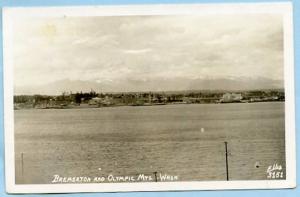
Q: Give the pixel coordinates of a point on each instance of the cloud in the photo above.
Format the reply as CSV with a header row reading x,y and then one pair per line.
x,y
137,47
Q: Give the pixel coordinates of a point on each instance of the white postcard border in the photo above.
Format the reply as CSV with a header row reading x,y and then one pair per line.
x,y
180,9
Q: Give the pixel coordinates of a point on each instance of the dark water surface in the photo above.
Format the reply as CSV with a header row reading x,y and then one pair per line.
x,y
181,140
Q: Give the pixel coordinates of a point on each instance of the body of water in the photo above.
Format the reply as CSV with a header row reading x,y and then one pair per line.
x,y
184,140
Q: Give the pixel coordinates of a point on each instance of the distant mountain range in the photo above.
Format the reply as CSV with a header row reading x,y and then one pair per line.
x,y
158,84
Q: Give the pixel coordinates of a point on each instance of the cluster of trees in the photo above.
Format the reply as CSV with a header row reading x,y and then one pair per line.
x,y
77,97
80,97
264,94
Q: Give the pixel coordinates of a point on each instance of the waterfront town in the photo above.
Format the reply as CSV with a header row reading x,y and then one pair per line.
x,y
92,99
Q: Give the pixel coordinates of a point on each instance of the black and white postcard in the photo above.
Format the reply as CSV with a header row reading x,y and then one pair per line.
x,y
149,98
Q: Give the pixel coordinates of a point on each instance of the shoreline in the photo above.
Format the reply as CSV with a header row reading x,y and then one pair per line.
x,y
133,105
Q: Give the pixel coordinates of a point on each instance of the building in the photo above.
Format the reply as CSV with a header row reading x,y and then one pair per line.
x,y
95,101
101,101
231,97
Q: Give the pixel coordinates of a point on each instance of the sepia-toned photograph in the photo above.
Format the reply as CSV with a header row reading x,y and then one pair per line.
x,y
154,97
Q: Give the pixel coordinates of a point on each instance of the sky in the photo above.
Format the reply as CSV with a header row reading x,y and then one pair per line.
x,y
135,53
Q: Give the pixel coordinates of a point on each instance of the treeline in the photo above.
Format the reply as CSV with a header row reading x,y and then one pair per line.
x,y
77,97
81,97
